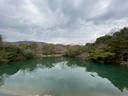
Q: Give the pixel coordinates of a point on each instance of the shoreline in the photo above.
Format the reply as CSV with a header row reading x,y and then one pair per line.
x,y
52,55
36,56
59,55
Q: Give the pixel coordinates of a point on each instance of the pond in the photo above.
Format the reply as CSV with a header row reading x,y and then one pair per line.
x,y
62,76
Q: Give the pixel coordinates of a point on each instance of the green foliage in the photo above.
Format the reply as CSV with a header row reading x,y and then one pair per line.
x,y
79,51
115,43
101,53
123,33
29,55
14,53
0,38
90,44
105,48
90,49
116,33
3,56
70,52
125,29
48,49
24,46
11,55
118,44
1,41
33,46
125,44
103,39
6,56
13,48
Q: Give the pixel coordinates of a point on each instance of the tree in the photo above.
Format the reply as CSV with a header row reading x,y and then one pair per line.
x,y
33,46
29,55
0,40
70,52
102,56
115,45
24,46
103,39
48,49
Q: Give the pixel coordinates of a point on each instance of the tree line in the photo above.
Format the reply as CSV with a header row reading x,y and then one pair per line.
x,y
106,49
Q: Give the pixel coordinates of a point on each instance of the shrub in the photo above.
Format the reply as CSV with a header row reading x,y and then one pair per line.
x,y
101,54
103,39
13,48
29,55
48,49
11,55
70,52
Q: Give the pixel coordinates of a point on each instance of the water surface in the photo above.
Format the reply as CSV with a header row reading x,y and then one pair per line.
x,y
62,76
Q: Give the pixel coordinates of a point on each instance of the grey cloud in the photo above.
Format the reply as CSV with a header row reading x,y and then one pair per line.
x,y
63,21
116,10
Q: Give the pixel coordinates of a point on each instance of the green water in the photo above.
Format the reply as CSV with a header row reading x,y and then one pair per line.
x,y
62,76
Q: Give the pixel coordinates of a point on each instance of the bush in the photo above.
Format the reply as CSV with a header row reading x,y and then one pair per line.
x,y
11,55
70,52
48,49
1,41
29,55
13,48
101,54
117,45
79,51
103,39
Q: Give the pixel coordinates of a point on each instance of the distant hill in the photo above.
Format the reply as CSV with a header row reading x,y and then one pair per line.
x,y
24,42
58,44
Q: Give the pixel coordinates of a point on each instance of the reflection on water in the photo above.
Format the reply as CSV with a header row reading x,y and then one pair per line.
x,y
62,76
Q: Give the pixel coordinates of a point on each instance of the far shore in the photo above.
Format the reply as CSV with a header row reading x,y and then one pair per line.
x,y
52,55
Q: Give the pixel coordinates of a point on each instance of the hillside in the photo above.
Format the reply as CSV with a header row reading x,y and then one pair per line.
x,y
108,49
26,42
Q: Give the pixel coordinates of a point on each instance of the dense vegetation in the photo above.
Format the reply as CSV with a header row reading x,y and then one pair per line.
x,y
9,52
106,49
14,53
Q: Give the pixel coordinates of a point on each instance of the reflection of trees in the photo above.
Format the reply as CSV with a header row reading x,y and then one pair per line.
x,y
118,76
63,64
28,65
74,63
1,80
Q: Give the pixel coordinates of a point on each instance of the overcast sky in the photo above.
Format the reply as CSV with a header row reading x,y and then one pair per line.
x,y
61,21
